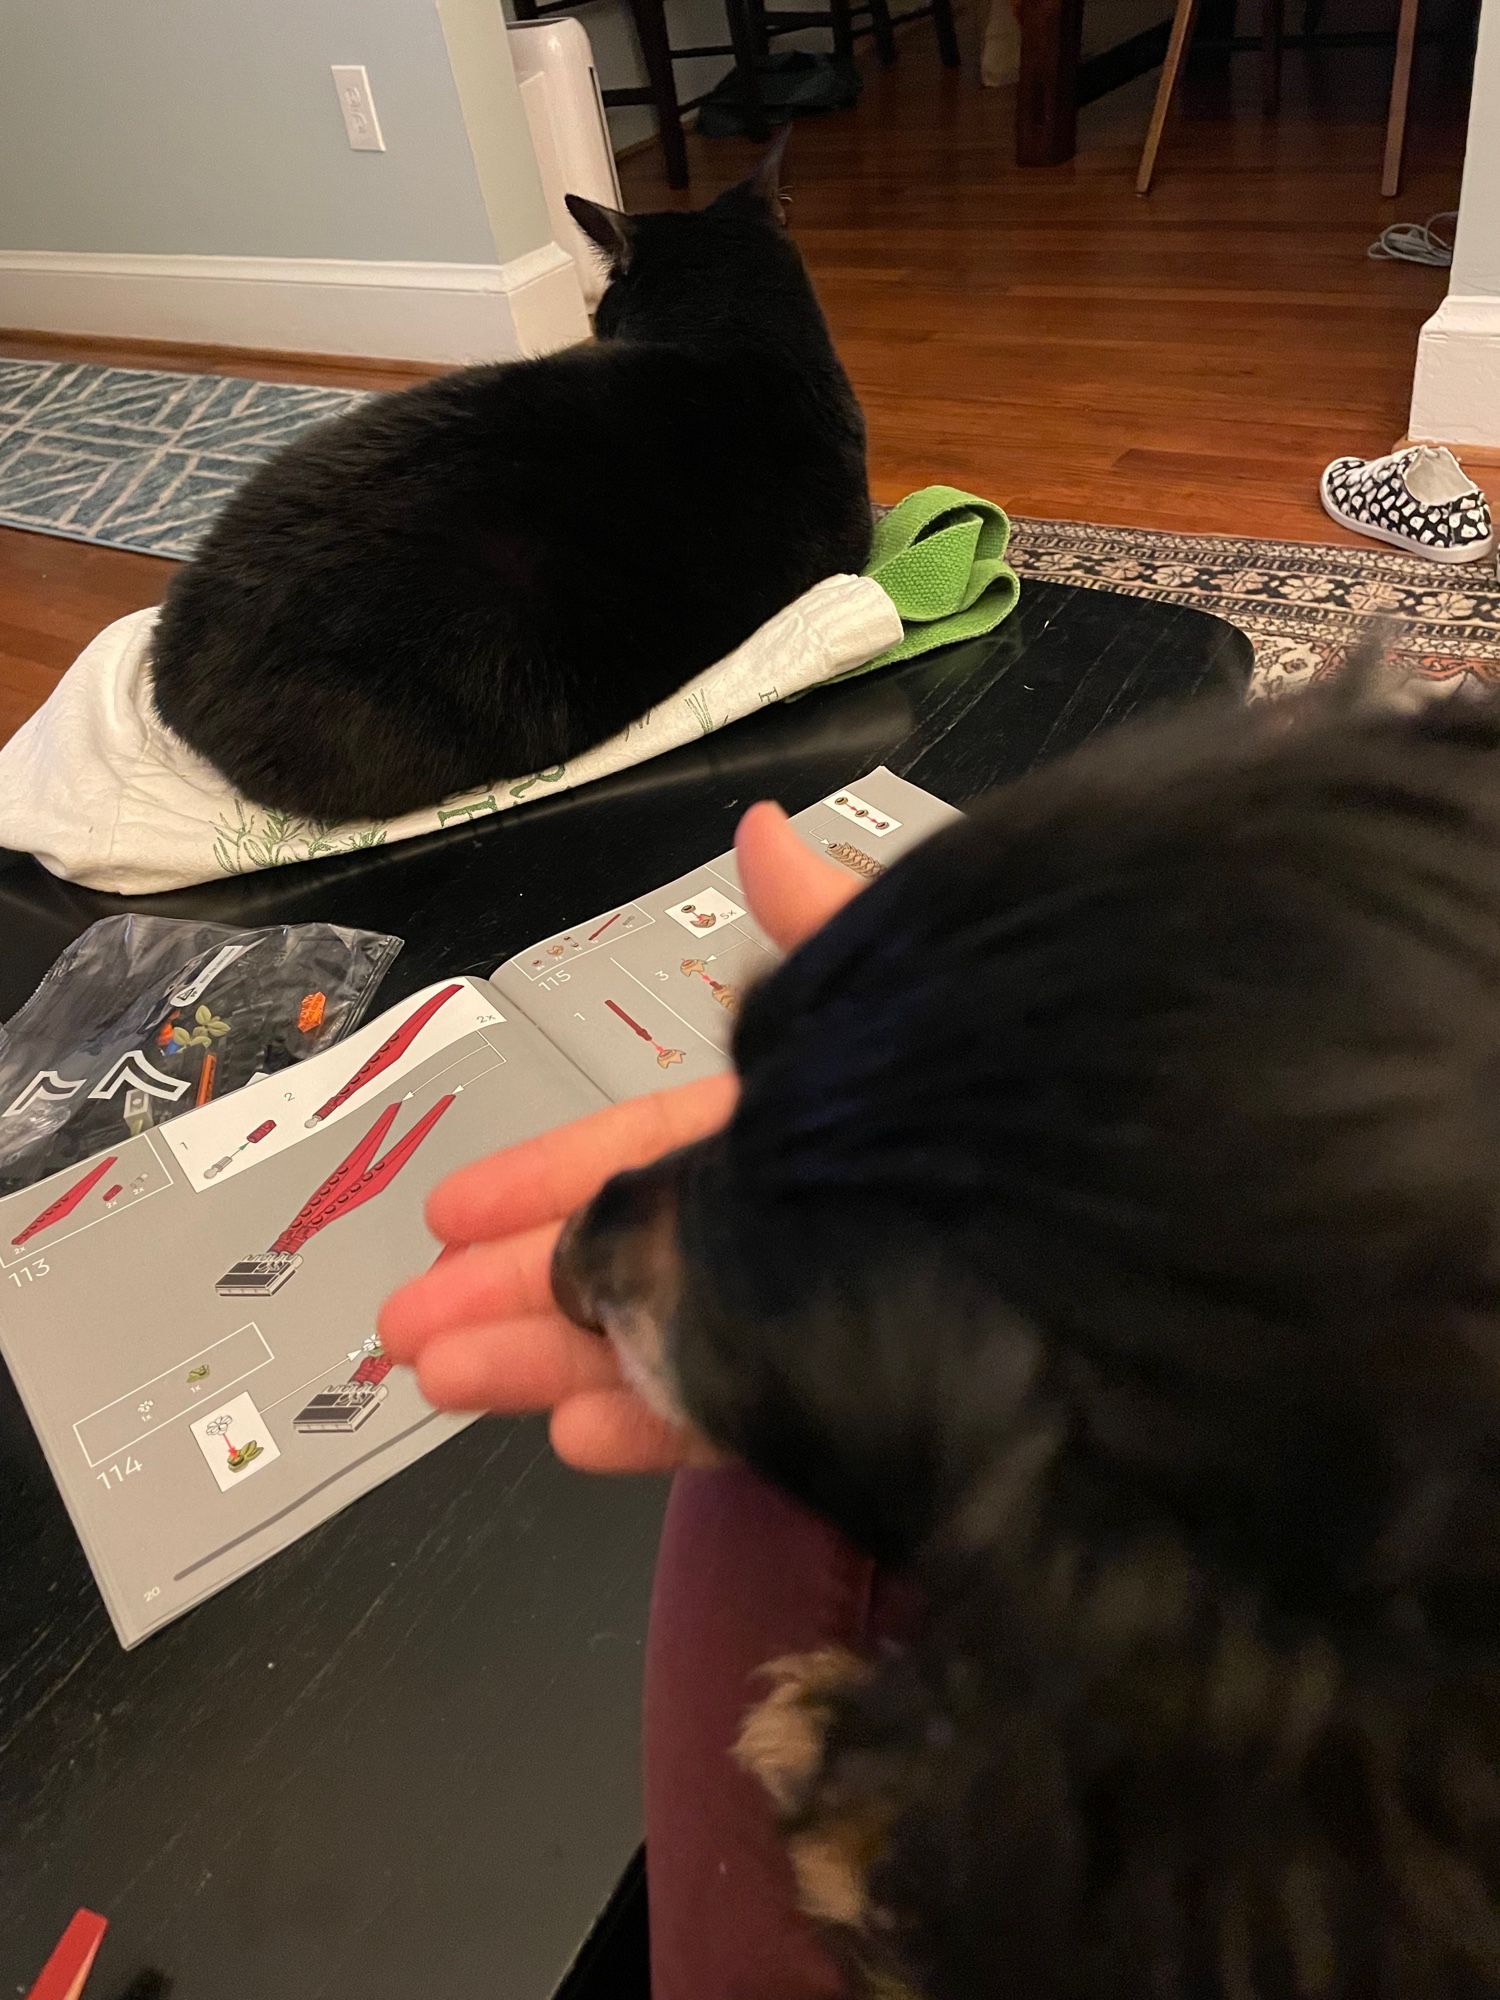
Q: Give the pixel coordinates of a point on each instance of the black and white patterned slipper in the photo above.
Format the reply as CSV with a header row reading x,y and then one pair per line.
x,y
1419,499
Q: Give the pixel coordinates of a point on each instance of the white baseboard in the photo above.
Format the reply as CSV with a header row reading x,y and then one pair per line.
x,y
396,312
1456,394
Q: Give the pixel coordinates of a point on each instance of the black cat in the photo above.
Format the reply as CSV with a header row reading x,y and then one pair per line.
x,y
494,571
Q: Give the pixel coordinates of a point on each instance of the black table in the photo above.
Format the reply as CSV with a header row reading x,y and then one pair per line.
x,y
400,1759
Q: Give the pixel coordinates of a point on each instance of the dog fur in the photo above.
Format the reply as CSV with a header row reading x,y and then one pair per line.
x,y
1108,1232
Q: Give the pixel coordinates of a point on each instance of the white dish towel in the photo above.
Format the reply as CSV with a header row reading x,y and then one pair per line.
x,y
102,794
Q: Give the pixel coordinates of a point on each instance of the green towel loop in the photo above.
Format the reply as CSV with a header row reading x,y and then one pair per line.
x,y
939,555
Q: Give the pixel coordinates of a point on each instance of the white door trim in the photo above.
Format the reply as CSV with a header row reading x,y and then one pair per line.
x,y
1455,397
396,311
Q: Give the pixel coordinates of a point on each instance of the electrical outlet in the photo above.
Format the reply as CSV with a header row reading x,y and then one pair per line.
x,y
358,108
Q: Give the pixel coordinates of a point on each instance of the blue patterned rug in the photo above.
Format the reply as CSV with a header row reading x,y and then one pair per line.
x,y
134,458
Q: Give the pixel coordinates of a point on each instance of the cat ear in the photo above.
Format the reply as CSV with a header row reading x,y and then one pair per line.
x,y
765,182
609,228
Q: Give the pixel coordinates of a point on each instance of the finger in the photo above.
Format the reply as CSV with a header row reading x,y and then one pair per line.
x,y
611,1430
490,1282
792,891
515,1365
546,1178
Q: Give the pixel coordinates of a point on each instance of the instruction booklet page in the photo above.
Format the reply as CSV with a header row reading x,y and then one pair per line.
x,y
189,1315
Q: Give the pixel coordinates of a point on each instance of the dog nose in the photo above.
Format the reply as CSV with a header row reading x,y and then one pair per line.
x,y
595,1265
570,1285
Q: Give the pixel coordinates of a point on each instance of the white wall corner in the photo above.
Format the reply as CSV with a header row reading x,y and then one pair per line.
x,y
545,295
495,124
1456,393
443,313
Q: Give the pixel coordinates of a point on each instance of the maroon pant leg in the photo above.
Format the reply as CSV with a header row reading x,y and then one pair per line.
x,y
744,1576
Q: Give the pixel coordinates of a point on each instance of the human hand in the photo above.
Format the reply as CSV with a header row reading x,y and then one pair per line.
x,y
481,1327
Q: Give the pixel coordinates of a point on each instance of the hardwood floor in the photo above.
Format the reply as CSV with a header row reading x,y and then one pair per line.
x,y
1043,336
1188,360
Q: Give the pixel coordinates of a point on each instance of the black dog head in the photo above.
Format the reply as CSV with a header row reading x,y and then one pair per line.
x,y
1110,1228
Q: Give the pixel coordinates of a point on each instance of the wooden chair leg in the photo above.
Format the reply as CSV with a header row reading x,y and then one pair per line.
x,y
1047,89
881,30
1182,28
947,34
841,19
760,31
745,39
650,18
1272,28
1395,124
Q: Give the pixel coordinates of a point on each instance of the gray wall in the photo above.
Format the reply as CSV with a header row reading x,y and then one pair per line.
x,y
211,127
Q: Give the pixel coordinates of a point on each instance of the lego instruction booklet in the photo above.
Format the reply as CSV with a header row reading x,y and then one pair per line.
x,y
189,1314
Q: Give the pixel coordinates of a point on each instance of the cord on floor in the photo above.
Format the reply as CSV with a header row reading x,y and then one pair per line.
x,y
1417,242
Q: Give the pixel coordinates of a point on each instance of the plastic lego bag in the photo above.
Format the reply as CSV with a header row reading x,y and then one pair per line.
x,y
145,1017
